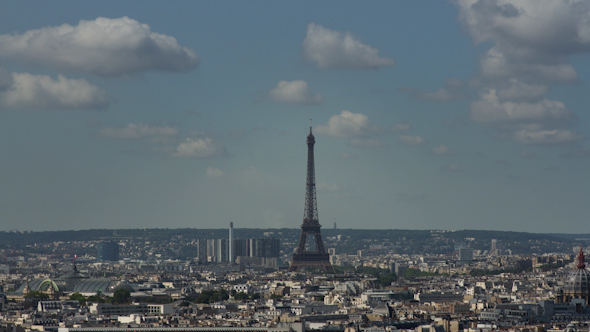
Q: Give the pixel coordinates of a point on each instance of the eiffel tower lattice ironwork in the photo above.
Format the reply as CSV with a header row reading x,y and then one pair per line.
x,y
311,257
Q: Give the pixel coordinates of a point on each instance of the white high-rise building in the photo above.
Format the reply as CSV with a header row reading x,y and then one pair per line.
x,y
231,241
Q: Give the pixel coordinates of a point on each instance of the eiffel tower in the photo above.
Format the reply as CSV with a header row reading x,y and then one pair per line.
x,y
316,255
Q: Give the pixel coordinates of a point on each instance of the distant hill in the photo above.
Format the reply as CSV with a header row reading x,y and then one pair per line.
x,y
350,240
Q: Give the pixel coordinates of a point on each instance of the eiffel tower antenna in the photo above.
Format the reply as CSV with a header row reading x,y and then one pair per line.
x,y
310,257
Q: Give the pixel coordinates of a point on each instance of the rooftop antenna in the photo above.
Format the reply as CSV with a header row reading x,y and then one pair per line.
x,y
310,126
75,268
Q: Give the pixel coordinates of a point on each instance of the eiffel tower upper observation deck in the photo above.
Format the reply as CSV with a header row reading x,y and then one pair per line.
x,y
314,254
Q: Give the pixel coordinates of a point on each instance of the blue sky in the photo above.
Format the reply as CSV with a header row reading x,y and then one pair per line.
x,y
427,115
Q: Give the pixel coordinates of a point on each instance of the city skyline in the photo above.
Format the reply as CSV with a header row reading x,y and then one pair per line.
x,y
447,115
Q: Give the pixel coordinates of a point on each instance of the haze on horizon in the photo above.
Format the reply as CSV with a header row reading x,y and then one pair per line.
x,y
467,114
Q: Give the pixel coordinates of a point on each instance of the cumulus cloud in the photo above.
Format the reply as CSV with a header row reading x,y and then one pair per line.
x,y
401,127
519,91
543,31
532,41
213,172
496,65
199,147
104,47
294,92
348,124
412,140
541,137
540,123
490,110
334,49
442,150
140,130
42,92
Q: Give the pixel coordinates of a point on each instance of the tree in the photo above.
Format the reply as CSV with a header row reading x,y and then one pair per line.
x,y
79,297
121,296
96,298
210,296
37,295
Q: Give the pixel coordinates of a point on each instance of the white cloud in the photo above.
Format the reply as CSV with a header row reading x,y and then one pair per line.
x,y
490,110
412,140
199,147
532,42
441,150
348,124
104,47
540,30
140,130
496,65
541,137
333,49
213,172
294,92
519,91
42,92
401,127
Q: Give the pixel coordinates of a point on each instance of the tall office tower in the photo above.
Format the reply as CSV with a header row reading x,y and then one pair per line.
x,y
202,250
251,247
314,254
221,250
211,250
107,251
268,247
494,247
231,242
465,254
240,248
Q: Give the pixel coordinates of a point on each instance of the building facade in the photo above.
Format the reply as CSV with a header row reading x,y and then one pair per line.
x,y
107,251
